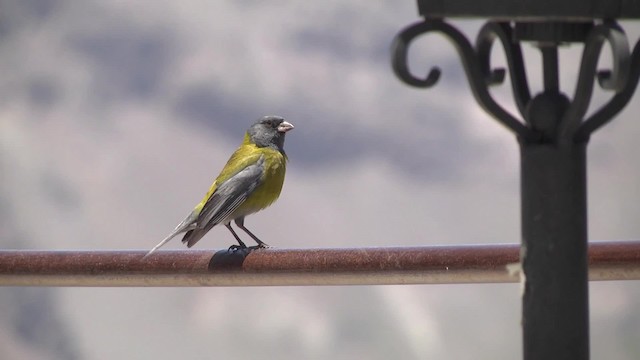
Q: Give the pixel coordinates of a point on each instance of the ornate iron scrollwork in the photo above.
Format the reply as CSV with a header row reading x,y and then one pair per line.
x,y
624,83
613,80
622,78
517,72
472,67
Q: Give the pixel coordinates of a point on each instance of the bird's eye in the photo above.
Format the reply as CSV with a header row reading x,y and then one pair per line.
x,y
273,123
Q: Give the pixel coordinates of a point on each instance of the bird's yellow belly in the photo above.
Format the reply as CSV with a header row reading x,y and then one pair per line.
x,y
269,191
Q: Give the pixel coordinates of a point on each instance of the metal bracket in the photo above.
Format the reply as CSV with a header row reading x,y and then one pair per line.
x,y
622,79
477,78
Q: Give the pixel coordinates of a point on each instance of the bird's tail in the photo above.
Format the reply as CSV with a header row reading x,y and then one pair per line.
x,y
189,223
193,236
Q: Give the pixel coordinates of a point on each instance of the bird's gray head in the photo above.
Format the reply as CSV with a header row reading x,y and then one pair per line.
x,y
269,131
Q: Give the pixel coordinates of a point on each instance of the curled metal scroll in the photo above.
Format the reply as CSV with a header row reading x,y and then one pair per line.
x,y
517,72
615,79
400,52
617,102
478,78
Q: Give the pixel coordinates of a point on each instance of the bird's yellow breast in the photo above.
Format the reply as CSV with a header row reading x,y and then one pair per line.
x,y
274,167
275,164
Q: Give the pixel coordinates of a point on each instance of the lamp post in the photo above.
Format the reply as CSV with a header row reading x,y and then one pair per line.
x,y
553,134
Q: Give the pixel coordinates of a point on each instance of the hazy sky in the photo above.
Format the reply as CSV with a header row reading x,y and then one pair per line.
x,y
116,116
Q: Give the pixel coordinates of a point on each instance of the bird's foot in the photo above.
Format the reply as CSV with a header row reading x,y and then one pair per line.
x,y
260,246
237,247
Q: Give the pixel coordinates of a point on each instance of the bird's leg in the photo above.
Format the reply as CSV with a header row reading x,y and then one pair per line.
x,y
241,244
261,244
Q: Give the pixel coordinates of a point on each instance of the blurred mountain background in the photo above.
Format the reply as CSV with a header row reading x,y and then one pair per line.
x,y
115,117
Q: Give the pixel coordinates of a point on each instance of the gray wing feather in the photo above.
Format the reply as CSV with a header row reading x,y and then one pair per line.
x,y
226,199
223,202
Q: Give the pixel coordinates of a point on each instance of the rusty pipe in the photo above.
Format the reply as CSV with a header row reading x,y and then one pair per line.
x,y
277,267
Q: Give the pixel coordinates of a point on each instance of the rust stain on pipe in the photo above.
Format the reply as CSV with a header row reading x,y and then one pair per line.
x,y
267,267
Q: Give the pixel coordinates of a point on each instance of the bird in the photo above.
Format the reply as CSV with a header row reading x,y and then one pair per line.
x,y
251,180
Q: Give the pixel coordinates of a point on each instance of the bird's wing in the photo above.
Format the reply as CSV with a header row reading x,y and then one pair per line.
x,y
227,197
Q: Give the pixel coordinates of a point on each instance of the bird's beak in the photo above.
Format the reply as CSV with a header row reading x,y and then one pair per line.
x,y
284,127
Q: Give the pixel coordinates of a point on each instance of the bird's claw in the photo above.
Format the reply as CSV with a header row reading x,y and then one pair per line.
x,y
255,247
260,246
236,247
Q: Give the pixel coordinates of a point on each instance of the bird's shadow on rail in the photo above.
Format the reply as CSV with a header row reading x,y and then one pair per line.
x,y
231,259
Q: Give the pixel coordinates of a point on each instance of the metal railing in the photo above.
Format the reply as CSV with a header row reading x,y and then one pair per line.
x,y
276,267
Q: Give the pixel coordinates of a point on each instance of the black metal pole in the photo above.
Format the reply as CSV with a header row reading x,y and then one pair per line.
x,y
555,304
554,251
